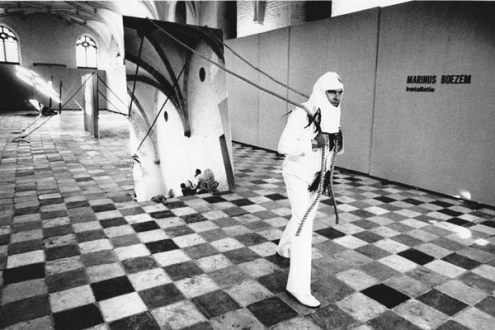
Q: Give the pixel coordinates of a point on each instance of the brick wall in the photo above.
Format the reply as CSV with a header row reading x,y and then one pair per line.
x,y
278,14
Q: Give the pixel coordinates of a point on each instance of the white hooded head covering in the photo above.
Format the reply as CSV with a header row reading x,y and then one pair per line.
x,y
330,115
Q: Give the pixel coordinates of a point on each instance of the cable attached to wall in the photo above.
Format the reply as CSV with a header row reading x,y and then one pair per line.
x,y
227,70
322,177
135,75
115,94
23,137
135,155
208,30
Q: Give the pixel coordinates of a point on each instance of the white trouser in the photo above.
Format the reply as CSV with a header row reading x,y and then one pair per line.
x,y
299,247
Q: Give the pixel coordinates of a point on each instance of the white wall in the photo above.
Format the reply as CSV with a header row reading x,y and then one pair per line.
x,y
297,56
440,141
48,39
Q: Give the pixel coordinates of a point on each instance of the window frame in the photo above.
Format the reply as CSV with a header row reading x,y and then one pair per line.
x,y
80,44
10,34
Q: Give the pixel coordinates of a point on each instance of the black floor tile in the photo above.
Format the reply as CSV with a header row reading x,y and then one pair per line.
x,y
332,317
66,280
279,261
63,251
199,251
364,214
391,321
98,258
77,204
368,236
416,256
329,289
24,310
78,318
365,224
193,218
251,239
57,231
145,226
412,201
103,208
489,223
275,197
161,296
275,282
235,211
242,202
239,256
140,264
487,305
461,222
177,231
131,211
228,277
478,282
90,235
214,199
215,303
143,321
161,246
24,273
450,212
385,295
176,205
183,270
372,251
452,325
461,261
407,240
442,302
23,247
111,288
114,222
162,214
385,199
5,239
53,214
330,233
379,270
199,326
124,240
272,311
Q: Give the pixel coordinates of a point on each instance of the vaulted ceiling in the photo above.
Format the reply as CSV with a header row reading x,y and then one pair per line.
x,y
102,18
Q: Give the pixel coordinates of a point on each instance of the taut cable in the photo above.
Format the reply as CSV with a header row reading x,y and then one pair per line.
x,y
302,106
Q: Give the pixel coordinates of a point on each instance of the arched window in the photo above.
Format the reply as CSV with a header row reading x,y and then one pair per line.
x,y
9,46
86,52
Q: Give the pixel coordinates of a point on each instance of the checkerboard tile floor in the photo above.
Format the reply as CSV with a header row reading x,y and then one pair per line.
x,y
78,252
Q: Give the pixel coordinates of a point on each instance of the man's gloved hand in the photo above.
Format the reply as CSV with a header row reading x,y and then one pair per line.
x,y
321,140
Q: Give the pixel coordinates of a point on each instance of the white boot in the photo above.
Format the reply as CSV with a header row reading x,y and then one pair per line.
x,y
306,299
284,251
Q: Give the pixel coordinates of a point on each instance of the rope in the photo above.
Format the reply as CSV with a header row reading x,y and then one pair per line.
x,y
330,186
163,105
229,71
22,137
322,177
319,191
114,111
108,88
252,66
135,75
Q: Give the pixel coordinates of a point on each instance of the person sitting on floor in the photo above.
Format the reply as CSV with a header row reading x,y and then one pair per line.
x,y
187,188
